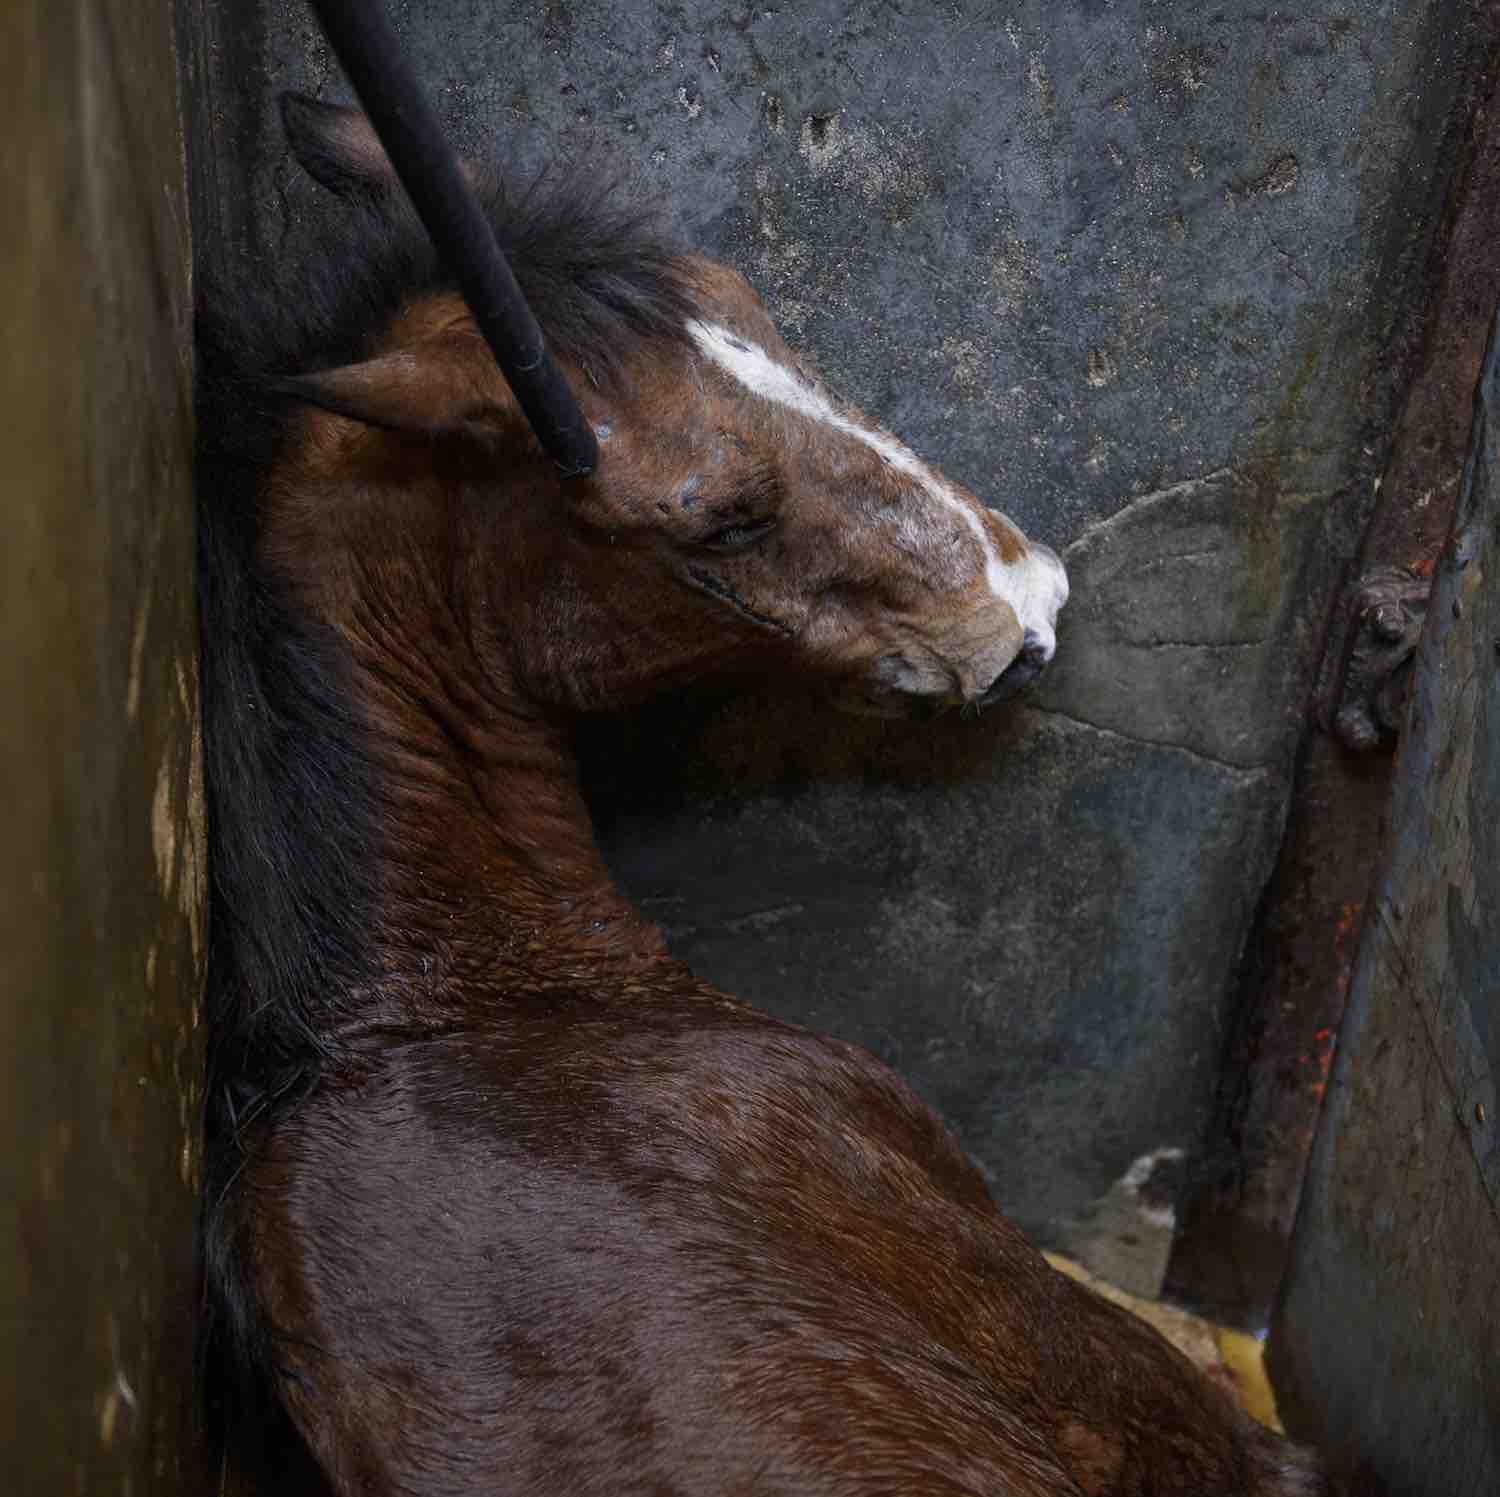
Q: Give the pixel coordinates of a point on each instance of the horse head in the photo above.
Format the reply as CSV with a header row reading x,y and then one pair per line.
x,y
741,517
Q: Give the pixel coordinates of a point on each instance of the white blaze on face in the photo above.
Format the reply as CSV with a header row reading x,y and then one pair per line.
x,y
1035,587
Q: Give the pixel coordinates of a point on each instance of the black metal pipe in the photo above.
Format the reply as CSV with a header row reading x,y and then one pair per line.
x,y
365,44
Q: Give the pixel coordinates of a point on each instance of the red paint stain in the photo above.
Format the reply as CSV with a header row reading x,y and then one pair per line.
x,y
1346,926
1325,1042
1345,934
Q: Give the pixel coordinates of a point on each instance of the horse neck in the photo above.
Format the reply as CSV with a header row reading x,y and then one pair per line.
x,y
492,870
490,878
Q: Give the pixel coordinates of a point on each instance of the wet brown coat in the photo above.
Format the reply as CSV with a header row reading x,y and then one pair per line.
x,y
549,1214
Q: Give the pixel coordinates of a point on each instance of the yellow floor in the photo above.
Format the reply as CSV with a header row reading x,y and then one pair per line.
x,y
1232,1357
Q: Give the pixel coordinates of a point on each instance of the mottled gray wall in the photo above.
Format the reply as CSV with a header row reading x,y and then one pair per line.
x,y
1386,1344
100,898
1128,269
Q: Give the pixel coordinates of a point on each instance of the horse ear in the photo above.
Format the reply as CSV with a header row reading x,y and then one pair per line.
x,y
443,386
337,147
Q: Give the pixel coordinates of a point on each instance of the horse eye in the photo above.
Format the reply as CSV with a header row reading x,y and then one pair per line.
x,y
739,535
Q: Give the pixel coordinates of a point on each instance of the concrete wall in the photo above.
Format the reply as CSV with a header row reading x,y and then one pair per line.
x,y
1386,1345
1131,270
100,898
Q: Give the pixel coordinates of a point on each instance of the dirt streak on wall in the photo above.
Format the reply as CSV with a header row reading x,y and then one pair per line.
x,y
101,933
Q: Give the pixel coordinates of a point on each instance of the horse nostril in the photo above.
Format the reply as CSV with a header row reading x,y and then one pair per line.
x,y
1032,659
1035,650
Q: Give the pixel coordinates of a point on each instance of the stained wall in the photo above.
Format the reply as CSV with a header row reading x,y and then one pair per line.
x,y
101,911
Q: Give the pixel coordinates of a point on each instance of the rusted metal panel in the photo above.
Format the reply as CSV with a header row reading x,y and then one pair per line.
x,y
1386,1343
101,926
1231,1252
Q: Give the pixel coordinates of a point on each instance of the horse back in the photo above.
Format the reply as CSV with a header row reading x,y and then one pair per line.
x,y
595,1249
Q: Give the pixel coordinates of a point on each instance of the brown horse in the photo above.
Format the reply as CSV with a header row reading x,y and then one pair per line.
x,y
500,1197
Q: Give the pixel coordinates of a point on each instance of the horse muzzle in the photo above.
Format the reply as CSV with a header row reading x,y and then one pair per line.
x,y
1034,657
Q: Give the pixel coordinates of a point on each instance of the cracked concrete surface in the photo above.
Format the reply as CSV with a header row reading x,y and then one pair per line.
x,y
1180,748
1125,270
1179,622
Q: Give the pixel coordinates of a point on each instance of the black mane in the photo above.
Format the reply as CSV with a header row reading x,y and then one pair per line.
x,y
293,800
601,273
